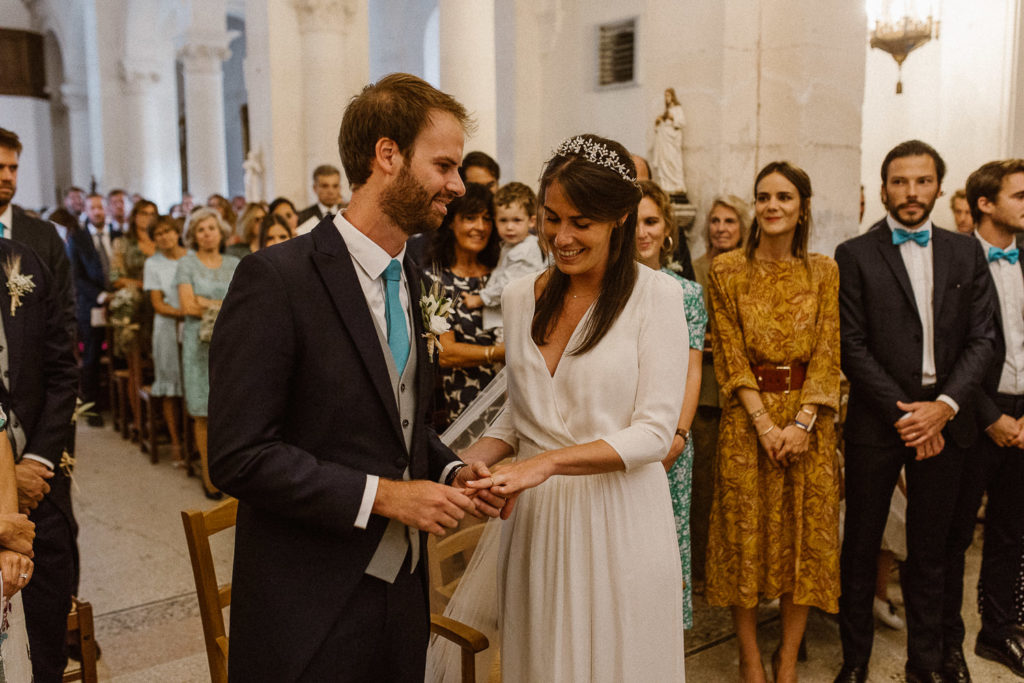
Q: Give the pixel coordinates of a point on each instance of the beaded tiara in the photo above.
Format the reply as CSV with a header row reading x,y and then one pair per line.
x,y
596,153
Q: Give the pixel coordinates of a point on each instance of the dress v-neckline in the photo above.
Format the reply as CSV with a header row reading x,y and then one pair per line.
x,y
551,373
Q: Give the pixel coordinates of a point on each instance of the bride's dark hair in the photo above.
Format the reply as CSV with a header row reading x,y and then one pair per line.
x,y
600,191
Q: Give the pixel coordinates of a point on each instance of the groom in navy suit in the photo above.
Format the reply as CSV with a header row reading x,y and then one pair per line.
x,y
320,386
916,307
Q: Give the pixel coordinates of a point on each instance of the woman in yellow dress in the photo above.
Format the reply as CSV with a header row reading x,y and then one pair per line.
x,y
774,530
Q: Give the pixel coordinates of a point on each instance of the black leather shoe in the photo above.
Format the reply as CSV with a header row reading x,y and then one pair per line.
x,y
954,666
852,674
915,675
1007,651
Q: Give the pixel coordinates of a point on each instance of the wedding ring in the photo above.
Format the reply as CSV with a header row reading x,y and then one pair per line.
x,y
24,576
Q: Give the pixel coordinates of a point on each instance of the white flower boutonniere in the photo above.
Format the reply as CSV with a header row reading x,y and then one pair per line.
x,y
18,284
435,308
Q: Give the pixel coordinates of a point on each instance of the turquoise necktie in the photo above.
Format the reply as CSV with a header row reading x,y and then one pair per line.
x,y
899,236
1011,255
398,335
3,230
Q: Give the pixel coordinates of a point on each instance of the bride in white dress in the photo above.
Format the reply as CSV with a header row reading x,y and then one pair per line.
x,y
589,586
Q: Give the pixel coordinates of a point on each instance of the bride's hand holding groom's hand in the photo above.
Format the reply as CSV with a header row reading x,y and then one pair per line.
x,y
486,501
510,481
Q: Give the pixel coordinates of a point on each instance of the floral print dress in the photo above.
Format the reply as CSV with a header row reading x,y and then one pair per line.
x,y
775,530
459,386
680,476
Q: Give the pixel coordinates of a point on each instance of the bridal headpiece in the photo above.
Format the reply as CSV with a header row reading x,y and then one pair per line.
x,y
596,153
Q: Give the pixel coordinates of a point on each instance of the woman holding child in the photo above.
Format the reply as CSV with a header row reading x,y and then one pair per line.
x,y
589,580
464,251
774,530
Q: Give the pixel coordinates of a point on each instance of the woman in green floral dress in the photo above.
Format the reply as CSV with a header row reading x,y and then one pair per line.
x,y
656,234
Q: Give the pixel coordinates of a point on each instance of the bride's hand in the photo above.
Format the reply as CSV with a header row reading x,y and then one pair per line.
x,y
510,481
16,570
486,501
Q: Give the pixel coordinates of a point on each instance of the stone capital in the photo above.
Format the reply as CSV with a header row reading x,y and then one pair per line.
x,y
205,53
74,96
324,15
136,77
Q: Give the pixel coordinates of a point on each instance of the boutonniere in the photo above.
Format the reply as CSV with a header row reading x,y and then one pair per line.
x,y
675,266
18,284
436,308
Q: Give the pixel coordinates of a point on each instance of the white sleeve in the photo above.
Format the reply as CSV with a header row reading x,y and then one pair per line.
x,y
663,357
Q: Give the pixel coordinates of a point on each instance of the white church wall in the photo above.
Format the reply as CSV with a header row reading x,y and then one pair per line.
x,y
956,97
14,14
29,117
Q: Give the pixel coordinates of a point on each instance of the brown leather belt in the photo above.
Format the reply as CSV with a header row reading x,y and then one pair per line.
x,y
775,378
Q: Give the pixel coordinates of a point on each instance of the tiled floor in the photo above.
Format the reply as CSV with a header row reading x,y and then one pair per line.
x,y
136,573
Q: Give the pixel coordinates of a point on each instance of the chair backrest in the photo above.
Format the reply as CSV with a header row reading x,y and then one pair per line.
x,y
447,559
199,526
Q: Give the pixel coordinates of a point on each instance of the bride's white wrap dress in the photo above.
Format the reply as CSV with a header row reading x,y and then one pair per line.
x,y
589,579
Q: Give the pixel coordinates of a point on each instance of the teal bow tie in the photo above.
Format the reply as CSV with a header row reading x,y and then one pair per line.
x,y
899,236
1011,255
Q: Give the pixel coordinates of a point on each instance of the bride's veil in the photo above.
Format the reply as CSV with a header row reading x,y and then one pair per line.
x,y
475,601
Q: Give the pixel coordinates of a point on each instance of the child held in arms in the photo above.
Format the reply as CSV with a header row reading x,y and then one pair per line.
x,y
515,207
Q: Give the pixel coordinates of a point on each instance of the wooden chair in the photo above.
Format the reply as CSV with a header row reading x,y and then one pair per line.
x,y
119,409
447,559
149,406
80,621
199,526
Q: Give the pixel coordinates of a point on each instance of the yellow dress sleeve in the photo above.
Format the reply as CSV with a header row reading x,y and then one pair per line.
x,y
822,383
732,366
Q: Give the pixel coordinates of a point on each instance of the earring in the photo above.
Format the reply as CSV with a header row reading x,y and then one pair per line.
x,y
670,244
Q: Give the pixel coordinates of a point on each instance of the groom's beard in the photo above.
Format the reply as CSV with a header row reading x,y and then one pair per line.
x,y
409,205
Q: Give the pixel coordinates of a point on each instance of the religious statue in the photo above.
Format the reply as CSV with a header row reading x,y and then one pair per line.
x,y
668,145
253,177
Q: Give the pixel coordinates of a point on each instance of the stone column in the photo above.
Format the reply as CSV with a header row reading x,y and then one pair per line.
x,y
335,66
468,65
141,159
202,55
76,99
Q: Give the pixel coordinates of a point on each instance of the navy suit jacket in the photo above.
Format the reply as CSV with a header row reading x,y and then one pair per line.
x,y
301,410
42,384
41,237
87,270
988,412
881,332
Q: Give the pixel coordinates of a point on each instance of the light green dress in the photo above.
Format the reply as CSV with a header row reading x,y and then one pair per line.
x,y
195,355
681,475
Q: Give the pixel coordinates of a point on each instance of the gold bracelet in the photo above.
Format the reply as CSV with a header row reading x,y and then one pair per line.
x,y
758,413
489,354
767,431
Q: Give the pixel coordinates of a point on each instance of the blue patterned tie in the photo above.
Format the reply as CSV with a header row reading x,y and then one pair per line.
x,y
899,236
398,335
1011,255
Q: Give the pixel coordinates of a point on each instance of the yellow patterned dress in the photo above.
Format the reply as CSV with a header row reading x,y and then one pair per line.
x,y
775,530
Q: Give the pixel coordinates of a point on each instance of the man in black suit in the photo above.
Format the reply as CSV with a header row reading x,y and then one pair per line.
x,y
916,306
37,387
91,251
327,186
995,194
319,396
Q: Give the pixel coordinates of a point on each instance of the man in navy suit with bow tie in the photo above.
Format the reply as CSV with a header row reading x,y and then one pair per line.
x,y
995,195
320,386
916,305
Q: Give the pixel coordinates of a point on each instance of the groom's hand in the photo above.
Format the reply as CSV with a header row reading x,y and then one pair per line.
x,y
424,505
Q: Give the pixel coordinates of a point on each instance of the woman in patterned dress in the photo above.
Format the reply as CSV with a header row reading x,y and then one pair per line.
x,y
202,278
463,253
656,233
774,530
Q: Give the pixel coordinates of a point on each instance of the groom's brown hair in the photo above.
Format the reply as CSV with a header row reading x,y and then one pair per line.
x,y
396,107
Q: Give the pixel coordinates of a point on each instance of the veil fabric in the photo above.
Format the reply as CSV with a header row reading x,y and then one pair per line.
x,y
475,601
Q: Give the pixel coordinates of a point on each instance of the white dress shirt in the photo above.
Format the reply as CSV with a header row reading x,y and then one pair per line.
x,y
1010,287
918,261
7,217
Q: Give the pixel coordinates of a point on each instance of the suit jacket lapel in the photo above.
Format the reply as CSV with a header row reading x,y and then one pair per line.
x,y
890,253
338,274
13,331
941,258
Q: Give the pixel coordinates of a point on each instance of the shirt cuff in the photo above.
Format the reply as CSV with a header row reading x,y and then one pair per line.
x,y
447,470
949,402
38,458
369,495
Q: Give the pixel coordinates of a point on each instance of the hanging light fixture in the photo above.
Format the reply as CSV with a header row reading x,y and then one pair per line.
x,y
899,30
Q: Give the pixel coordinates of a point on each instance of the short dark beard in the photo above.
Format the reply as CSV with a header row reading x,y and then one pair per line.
x,y
408,204
894,212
